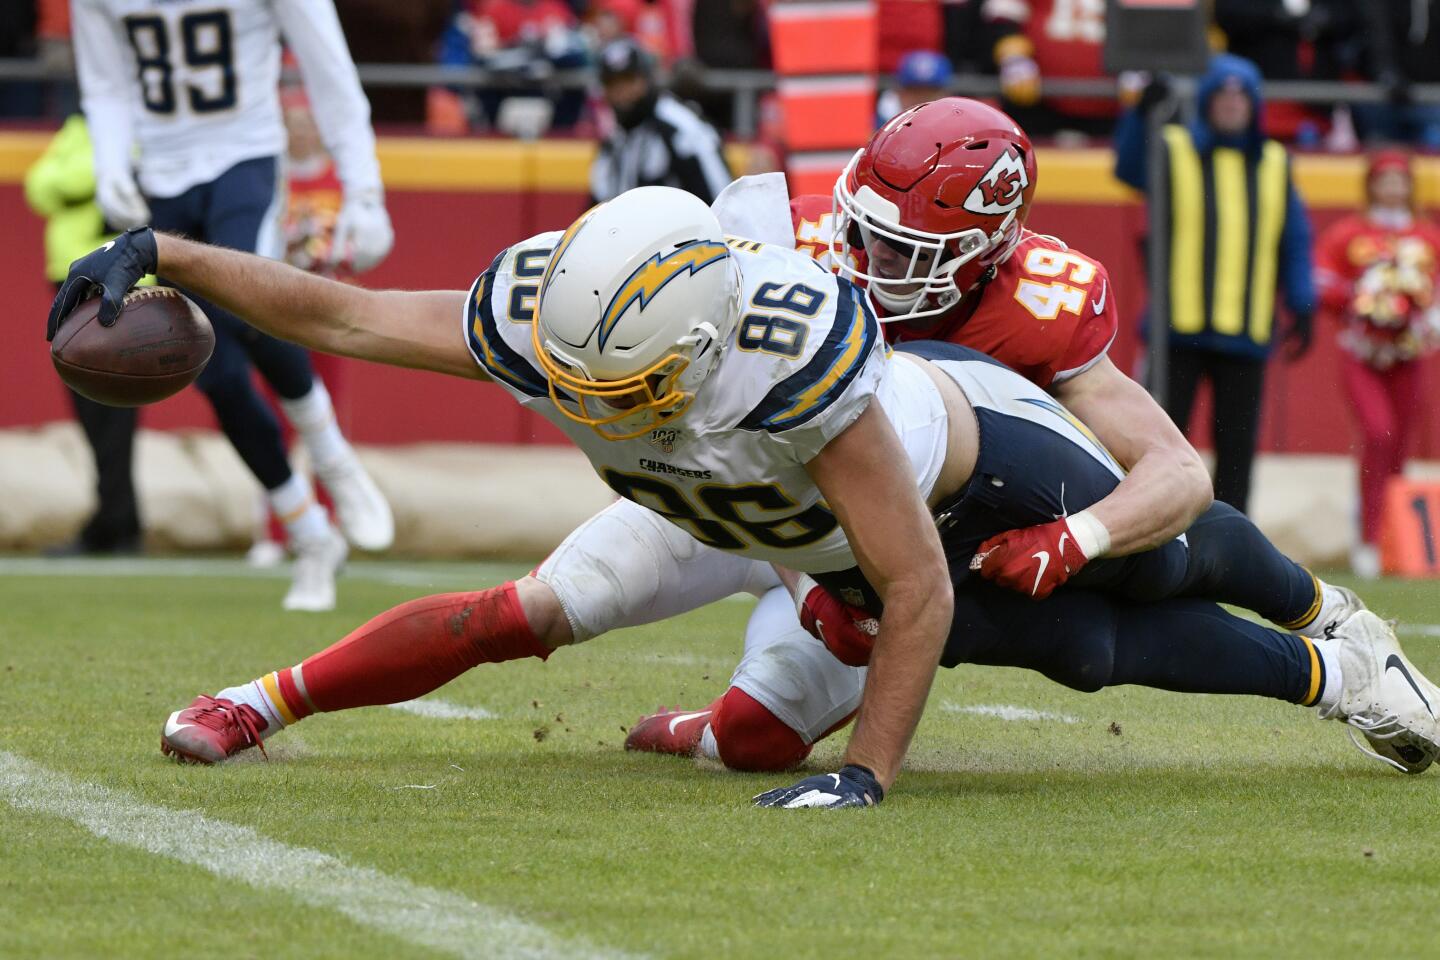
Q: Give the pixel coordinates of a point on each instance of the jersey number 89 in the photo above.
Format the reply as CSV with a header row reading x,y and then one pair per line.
x,y
206,40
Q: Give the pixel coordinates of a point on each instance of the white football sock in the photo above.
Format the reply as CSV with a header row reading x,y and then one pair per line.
x,y
253,695
294,503
1332,601
1328,651
313,417
708,748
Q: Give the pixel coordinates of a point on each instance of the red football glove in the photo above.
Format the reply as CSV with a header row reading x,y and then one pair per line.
x,y
847,632
1033,560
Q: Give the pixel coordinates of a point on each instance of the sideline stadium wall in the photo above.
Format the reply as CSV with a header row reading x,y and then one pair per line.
x,y
456,203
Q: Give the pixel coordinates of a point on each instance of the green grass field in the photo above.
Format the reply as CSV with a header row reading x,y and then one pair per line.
x,y
1129,823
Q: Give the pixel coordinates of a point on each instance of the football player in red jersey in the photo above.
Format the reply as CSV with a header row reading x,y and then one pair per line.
x,y
930,218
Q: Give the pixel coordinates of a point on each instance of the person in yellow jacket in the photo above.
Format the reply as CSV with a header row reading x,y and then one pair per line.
x,y
61,188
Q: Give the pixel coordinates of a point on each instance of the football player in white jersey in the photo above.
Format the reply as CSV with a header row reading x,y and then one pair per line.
x,y
641,327
185,94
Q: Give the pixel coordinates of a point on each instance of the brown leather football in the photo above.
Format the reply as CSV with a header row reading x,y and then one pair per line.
x,y
158,346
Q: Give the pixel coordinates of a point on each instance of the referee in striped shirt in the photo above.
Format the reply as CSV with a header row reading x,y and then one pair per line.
x,y
657,140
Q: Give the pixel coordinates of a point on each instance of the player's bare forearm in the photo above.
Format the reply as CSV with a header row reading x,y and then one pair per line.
x,y
1166,486
902,668
402,328
866,478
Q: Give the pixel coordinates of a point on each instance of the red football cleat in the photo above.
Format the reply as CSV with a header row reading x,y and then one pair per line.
x,y
670,731
211,730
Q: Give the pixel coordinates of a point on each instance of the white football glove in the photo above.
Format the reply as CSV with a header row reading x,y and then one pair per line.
x,y
363,235
120,200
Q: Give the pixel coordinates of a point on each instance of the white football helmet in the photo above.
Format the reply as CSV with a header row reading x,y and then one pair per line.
x,y
636,305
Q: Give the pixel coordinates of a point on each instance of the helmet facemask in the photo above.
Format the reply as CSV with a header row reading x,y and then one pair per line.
x,y
631,406
909,274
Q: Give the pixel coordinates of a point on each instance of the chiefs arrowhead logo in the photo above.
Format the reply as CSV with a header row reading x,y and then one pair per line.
x,y
1000,189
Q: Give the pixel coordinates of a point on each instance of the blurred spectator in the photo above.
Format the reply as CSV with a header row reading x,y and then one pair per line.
x,y
1237,226
907,25
1294,40
922,76
965,36
61,188
383,31
1040,39
17,40
731,34
523,42
728,35
1377,271
648,22
1403,48
655,139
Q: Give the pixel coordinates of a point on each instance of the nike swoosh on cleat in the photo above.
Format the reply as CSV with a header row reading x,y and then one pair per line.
x,y
1395,663
685,718
173,727
1044,557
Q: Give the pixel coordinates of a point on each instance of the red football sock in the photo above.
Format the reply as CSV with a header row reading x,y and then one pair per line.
x,y
408,651
752,738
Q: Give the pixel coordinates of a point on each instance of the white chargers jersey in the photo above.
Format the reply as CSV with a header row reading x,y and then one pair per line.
x,y
804,361
195,85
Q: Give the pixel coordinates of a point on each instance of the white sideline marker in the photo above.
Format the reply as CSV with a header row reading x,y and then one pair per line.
x,y
1004,711
424,916
442,710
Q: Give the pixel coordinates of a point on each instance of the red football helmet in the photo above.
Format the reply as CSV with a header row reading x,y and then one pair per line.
x,y
936,198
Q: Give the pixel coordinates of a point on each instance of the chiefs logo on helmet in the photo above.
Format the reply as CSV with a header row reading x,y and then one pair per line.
x,y
1001,188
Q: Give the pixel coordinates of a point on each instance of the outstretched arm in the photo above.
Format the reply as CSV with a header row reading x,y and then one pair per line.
x,y
866,478
399,327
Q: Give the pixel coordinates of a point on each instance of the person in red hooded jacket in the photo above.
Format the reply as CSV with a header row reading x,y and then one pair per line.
x,y
1377,271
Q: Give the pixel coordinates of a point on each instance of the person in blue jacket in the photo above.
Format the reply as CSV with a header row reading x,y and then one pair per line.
x,y
1235,234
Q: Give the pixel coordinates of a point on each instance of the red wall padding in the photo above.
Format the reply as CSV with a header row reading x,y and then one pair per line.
x,y
443,240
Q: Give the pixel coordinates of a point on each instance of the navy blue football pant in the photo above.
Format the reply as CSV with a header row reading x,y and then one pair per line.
x,y
1150,618
237,210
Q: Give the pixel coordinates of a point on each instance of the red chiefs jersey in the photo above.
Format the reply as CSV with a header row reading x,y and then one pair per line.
x,y
1048,312
1380,281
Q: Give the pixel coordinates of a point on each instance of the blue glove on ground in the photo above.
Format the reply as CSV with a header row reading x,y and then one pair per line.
x,y
853,786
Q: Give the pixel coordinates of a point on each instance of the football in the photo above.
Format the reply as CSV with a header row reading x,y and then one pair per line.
x,y
158,346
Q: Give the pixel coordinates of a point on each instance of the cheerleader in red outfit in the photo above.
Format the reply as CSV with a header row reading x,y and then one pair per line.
x,y
1377,273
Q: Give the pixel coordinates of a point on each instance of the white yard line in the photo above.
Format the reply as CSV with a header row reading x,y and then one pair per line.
x,y
476,575
438,919
1005,711
442,710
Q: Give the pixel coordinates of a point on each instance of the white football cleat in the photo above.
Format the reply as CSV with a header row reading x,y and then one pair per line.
x,y
1384,697
361,508
1344,603
312,585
